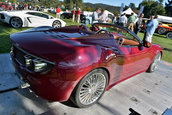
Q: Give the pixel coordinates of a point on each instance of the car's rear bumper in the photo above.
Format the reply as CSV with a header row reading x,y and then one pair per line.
x,y
49,88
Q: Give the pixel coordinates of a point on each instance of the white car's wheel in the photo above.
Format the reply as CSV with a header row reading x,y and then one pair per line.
x,y
161,30
57,24
16,22
169,35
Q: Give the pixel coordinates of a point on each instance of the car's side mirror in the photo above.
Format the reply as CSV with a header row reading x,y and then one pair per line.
x,y
140,46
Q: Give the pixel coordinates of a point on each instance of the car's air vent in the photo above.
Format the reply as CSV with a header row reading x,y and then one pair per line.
x,y
2,16
59,36
19,55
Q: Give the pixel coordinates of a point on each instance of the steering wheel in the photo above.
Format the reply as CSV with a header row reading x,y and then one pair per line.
x,y
83,27
120,41
102,31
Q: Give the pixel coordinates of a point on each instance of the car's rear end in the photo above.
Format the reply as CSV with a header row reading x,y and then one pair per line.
x,y
49,62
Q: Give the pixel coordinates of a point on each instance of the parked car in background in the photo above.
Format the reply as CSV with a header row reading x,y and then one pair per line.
x,y
29,18
164,29
77,63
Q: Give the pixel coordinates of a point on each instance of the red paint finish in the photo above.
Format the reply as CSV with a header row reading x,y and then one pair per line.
x,y
73,53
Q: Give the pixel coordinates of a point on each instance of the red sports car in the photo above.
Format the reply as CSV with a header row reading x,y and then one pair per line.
x,y
77,63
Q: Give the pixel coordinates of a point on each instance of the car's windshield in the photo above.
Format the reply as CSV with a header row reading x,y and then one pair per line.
x,y
116,30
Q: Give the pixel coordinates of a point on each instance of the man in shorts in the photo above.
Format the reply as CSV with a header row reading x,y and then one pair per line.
x,y
150,29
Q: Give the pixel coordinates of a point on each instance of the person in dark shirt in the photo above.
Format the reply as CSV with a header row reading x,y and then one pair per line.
x,y
138,23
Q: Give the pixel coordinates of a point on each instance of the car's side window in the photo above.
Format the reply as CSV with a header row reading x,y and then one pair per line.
x,y
45,16
38,14
122,36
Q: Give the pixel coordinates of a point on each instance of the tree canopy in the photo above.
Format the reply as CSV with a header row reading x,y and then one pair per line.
x,y
152,7
168,8
70,4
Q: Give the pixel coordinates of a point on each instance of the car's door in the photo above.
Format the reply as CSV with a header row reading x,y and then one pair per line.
x,y
38,19
132,59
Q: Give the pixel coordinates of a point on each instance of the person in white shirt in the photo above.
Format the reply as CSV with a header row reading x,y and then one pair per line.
x,y
103,18
123,20
95,16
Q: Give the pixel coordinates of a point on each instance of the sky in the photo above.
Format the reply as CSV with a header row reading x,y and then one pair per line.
x,y
117,2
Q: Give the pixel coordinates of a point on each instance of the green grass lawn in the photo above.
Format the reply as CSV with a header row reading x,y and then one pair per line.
x,y
6,30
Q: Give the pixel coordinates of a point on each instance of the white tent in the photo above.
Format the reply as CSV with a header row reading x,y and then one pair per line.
x,y
165,19
129,11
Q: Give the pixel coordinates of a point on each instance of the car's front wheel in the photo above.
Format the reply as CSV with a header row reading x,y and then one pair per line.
x,y
90,89
153,66
169,35
16,22
56,24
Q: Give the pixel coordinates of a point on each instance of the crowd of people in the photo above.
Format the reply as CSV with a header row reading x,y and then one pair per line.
x,y
100,16
18,6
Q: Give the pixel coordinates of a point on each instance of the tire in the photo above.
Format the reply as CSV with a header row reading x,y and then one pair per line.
x,y
153,66
56,24
87,21
161,30
169,35
16,22
90,89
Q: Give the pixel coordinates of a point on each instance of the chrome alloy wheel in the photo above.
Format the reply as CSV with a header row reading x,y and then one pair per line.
x,y
156,61
16,22
92,88
56,24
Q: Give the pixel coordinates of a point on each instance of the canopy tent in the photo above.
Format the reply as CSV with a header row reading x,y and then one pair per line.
x,y
165,19
129,11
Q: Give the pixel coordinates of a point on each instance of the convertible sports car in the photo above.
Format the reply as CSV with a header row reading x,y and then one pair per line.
x,y
77,63
29,18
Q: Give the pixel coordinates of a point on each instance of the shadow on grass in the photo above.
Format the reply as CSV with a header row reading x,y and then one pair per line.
x,y
158,35
170,50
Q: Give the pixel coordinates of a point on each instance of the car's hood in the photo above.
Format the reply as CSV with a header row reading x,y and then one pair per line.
x,y
48,43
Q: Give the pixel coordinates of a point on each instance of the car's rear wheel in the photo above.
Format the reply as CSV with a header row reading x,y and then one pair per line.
x,y
16,22
169,35
90,89
161,30
56,24
153,66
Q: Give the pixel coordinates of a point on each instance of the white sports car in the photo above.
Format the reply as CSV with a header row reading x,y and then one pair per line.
x,y
29,18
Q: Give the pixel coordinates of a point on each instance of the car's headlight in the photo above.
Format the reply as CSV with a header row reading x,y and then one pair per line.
x,y
37,65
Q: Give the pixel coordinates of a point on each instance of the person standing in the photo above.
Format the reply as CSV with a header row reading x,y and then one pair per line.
x,y
78,14
95,16
73,14
103,18
150,29
58,12
131,20
123,20
138,24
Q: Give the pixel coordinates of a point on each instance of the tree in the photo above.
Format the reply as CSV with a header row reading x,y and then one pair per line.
x,y
168,8
132,6
68,4
88,8
152,8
